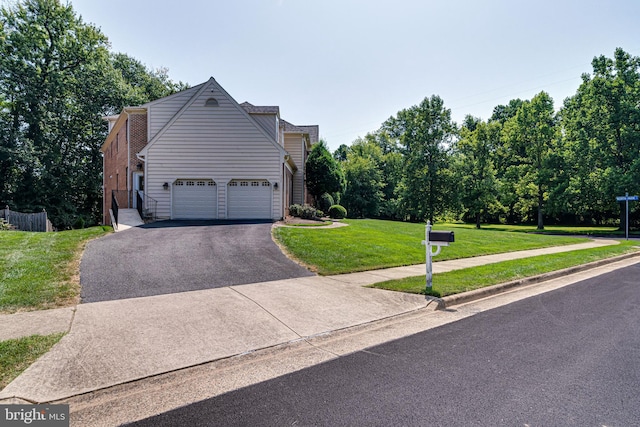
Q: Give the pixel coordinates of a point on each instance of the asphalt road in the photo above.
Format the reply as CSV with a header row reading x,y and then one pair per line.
x,y
177,256
570,357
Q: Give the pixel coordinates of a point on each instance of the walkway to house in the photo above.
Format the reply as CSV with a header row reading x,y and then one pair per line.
x,y
127,218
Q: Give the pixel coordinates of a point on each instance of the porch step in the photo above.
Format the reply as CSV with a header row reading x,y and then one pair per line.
x,y
128,218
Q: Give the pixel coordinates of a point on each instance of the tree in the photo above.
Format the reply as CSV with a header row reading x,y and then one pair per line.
x,y
364,182
425,133
474,168
601,123
502,113
57,80
47,62
323,172
341,153
531,141
142,84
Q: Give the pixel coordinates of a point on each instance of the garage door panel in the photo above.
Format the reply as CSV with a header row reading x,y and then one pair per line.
x,y
249,199
194,199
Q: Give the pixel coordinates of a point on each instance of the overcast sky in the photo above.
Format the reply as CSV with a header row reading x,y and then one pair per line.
x,y
349,65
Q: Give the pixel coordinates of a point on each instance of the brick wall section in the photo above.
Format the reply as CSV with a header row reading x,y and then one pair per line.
x,y
138,139
120,158
115,168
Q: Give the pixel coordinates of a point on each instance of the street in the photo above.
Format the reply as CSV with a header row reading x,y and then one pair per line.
x,y
566,357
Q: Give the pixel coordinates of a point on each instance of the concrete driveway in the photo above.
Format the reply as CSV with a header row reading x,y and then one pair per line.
x,y
177,256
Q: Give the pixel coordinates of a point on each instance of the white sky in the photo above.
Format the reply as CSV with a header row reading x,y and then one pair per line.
x,y
349,65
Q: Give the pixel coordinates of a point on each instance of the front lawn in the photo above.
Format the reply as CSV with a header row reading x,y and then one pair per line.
x,y
41,270
368,244
467,279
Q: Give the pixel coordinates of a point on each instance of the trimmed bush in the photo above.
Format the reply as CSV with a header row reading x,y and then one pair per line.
x,y
305,212
337,212
326,201
295,210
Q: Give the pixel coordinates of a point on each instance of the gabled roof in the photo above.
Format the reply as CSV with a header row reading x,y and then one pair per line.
x,y
313,131
254,109
211,83
291,128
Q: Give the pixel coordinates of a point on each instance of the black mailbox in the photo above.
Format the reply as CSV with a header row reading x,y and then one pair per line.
x,y
441,236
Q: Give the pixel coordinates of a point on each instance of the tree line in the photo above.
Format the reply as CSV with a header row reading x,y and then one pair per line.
x,y
527,163
58,78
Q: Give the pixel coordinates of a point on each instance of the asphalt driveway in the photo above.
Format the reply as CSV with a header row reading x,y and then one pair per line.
x,y
178,256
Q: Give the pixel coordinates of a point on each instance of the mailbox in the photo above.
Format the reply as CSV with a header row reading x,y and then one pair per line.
x,y
441,237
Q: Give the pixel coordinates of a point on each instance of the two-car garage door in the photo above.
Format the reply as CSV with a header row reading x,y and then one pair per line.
x,y
197,199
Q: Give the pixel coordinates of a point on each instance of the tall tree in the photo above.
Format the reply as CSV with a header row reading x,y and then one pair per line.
x,y
531,137
363,196
475,170
48,63
602,133
143,84
57,80
323,172
425,133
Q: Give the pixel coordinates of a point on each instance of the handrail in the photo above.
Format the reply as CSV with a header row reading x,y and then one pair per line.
x,y
146,206
114,205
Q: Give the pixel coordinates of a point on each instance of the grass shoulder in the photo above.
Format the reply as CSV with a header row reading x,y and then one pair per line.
x,y
41,270
369,244
468,279
16,355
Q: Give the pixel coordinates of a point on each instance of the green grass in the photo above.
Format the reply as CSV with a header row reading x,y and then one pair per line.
x,y
16,355
458,281
371,244
41,270
548,229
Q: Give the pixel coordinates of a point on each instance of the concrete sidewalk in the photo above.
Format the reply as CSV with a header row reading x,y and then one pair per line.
x,y
116,342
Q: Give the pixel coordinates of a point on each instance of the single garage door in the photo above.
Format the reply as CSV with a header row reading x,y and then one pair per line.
x,y
194,199
249,199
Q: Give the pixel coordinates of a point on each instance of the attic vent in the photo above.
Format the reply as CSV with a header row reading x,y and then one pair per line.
x,y
211,102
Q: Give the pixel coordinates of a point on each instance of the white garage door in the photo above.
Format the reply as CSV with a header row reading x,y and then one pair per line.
x,y
249,199
194,199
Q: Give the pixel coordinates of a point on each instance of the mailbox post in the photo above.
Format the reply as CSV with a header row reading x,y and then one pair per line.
x,y
437,239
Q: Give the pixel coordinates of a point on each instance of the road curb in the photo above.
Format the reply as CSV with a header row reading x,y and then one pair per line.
x,y
488,291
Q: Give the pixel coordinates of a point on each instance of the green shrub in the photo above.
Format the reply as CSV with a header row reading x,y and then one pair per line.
x,y
305,212
326,201
337,212
295,210
79,223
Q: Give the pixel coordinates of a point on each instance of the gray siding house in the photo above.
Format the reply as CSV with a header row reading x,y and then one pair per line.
x,y
208,157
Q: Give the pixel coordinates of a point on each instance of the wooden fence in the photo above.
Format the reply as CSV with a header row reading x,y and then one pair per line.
x,y
27,221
